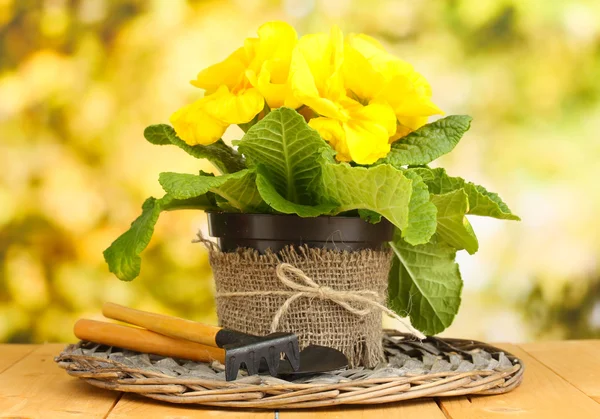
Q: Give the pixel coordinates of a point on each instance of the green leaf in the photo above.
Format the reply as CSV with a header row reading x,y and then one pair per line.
x,y
272,197
238,189
399,296
421,212
184,185
225,158
453,227
289,152
425,283
204,202
381,189
225,206
123,255
481,202
369,216
242,195
428,142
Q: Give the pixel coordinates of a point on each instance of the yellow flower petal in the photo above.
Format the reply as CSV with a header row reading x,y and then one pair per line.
x,y
410,95
359,75
368,131
367,142
275,94
269,68
335,83
229,72
276,40
332,131
316,72
364,137
304,88
413,122
407,91
315,52
232,108
378,113
381,60
367,45
196,126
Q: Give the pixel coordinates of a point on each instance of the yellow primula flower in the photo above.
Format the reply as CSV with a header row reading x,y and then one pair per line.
x,y
195,125
238,87
365,97
391,80
358,130
363,137
359,97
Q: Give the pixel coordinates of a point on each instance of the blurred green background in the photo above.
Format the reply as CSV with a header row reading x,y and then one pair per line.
x,y
80,79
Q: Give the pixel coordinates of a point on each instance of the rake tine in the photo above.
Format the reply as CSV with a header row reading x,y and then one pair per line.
x,y
251,362
273,358
258,362
292,354
232,366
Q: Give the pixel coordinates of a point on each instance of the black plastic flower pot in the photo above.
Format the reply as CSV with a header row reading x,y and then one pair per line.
x,y
270,231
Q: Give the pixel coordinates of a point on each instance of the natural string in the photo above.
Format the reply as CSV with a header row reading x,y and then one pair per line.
x,y
313,290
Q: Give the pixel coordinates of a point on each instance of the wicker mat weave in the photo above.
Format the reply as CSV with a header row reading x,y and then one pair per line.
x,y
434,367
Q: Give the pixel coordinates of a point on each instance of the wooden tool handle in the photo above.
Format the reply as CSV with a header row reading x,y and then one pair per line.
x,y
165,325
142,340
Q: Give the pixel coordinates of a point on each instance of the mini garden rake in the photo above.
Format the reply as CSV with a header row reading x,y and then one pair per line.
x,y
240,348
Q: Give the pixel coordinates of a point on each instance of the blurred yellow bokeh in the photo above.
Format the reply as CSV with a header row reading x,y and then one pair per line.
x,y
81,79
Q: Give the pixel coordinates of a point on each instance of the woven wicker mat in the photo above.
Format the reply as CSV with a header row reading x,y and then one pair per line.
x,y
434,367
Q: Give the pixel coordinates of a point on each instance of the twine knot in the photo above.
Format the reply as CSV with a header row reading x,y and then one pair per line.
x,y
285,271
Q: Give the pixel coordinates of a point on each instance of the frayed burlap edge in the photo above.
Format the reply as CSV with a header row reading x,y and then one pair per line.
x,y
314,319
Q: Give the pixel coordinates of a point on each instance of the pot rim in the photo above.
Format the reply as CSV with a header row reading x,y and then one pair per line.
x,y
275,230
259,214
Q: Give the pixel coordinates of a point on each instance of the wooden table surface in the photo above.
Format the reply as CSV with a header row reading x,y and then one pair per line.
x,y
562,380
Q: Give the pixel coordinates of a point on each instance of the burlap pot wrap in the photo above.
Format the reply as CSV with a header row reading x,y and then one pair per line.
x,y
250,294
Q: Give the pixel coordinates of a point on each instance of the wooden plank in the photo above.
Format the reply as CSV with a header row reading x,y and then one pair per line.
x,y
11,353
132,406
404,410
35,387
543,394
578,362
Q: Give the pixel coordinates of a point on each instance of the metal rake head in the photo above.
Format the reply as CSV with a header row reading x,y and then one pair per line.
x,y
251,350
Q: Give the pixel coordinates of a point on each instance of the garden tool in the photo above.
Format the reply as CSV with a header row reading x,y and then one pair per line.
x,y
239,347
314,358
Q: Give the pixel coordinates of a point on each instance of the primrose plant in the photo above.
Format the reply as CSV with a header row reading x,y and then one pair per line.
x,y
334,126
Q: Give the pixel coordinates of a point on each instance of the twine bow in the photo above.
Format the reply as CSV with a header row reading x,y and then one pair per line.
x,y
310,289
